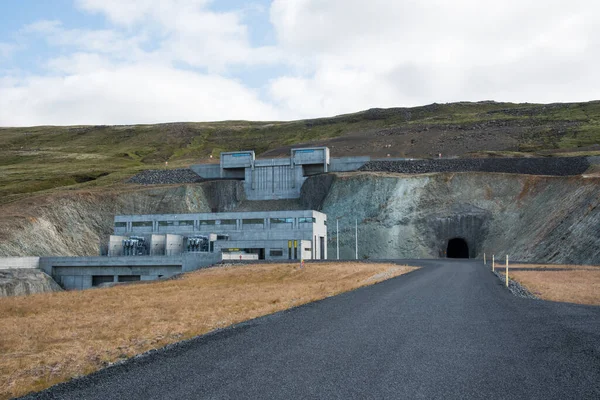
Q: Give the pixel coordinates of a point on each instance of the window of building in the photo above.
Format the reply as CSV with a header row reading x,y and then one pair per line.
x,y
229,222
222,237
282,220
129,278
207,222
98,280
120,224
309,220
140,224
276,252
253,221
175,223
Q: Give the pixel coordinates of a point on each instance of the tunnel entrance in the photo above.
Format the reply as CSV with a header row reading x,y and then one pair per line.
x,y
457,248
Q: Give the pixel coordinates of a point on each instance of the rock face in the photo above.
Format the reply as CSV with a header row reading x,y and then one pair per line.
x,y
75,224
530,218
18,282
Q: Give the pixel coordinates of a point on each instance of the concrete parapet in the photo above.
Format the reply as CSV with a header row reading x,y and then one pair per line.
x,y
19,262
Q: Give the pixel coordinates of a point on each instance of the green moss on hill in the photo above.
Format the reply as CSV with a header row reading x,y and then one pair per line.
x,y
41,158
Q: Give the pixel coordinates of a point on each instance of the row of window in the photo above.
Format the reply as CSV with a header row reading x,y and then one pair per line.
x,y
228,222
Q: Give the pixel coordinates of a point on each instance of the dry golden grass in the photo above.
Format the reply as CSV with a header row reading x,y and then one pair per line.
x,y
580,286
49,338
553,266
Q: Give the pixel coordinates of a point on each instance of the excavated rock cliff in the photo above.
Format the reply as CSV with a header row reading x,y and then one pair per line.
x,y
530,218
18,282
75,224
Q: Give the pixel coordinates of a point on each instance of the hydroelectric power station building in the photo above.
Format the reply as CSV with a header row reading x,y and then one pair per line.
x,y
149,247
274,235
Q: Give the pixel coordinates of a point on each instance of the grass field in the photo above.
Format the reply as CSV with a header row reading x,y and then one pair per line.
x,y
566,283
44,158
48,338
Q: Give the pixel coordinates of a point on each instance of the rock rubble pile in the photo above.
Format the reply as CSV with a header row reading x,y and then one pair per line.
x,y
166,176
516,288
563,166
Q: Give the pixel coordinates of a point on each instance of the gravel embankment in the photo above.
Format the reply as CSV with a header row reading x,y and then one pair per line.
x,y
516,288
564,166
167,176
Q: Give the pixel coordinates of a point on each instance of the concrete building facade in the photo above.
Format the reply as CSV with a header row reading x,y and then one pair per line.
x,y
276,178
273,235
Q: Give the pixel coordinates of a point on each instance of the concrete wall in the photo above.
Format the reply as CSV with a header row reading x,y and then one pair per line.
x,y
237,159
346,164
158,245
277,178
207,171
239,256
174,244
262,235
78,272
19,262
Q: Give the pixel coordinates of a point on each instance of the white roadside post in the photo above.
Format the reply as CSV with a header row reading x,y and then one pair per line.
x,y
507,270
356,239
493,261
484,263
337,235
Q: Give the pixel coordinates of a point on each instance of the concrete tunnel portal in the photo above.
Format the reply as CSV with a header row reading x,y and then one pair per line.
x,y
457,248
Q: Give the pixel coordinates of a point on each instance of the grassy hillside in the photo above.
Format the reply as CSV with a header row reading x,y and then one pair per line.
x,y
42,158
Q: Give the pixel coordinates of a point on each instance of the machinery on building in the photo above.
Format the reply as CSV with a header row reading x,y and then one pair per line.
x,y
134,246
197,243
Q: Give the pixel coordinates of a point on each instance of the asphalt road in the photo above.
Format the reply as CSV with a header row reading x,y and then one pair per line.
x,y
448,330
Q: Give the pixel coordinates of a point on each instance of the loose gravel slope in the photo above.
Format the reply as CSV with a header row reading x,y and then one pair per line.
x,y
554,166
448,330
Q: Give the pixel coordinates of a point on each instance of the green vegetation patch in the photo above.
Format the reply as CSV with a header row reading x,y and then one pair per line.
x,y
42,158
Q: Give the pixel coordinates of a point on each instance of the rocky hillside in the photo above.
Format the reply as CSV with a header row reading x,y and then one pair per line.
x,y
531,218
75,224
19,282
40,159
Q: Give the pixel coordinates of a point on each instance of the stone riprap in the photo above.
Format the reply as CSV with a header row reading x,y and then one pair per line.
x,y
166,177
516,288
559,166
18,282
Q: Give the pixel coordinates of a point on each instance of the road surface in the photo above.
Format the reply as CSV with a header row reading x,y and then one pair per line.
x,y
448,330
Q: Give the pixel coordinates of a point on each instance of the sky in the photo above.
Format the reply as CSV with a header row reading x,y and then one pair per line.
x,y
71,62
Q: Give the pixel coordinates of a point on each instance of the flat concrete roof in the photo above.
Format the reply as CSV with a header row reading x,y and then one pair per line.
x,y
222,215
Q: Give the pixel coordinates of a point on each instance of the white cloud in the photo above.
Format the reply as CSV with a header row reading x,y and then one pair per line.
x,y
168,60
189,31
108,76
127,95
382,54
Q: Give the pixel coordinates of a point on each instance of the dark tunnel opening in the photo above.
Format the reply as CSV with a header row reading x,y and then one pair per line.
x,y
457,248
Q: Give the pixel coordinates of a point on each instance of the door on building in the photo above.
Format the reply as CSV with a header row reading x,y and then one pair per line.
x,y
322,247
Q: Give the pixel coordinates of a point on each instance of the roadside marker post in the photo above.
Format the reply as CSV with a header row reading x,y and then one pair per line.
x,y
507,270
493,262
484,263
356,239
